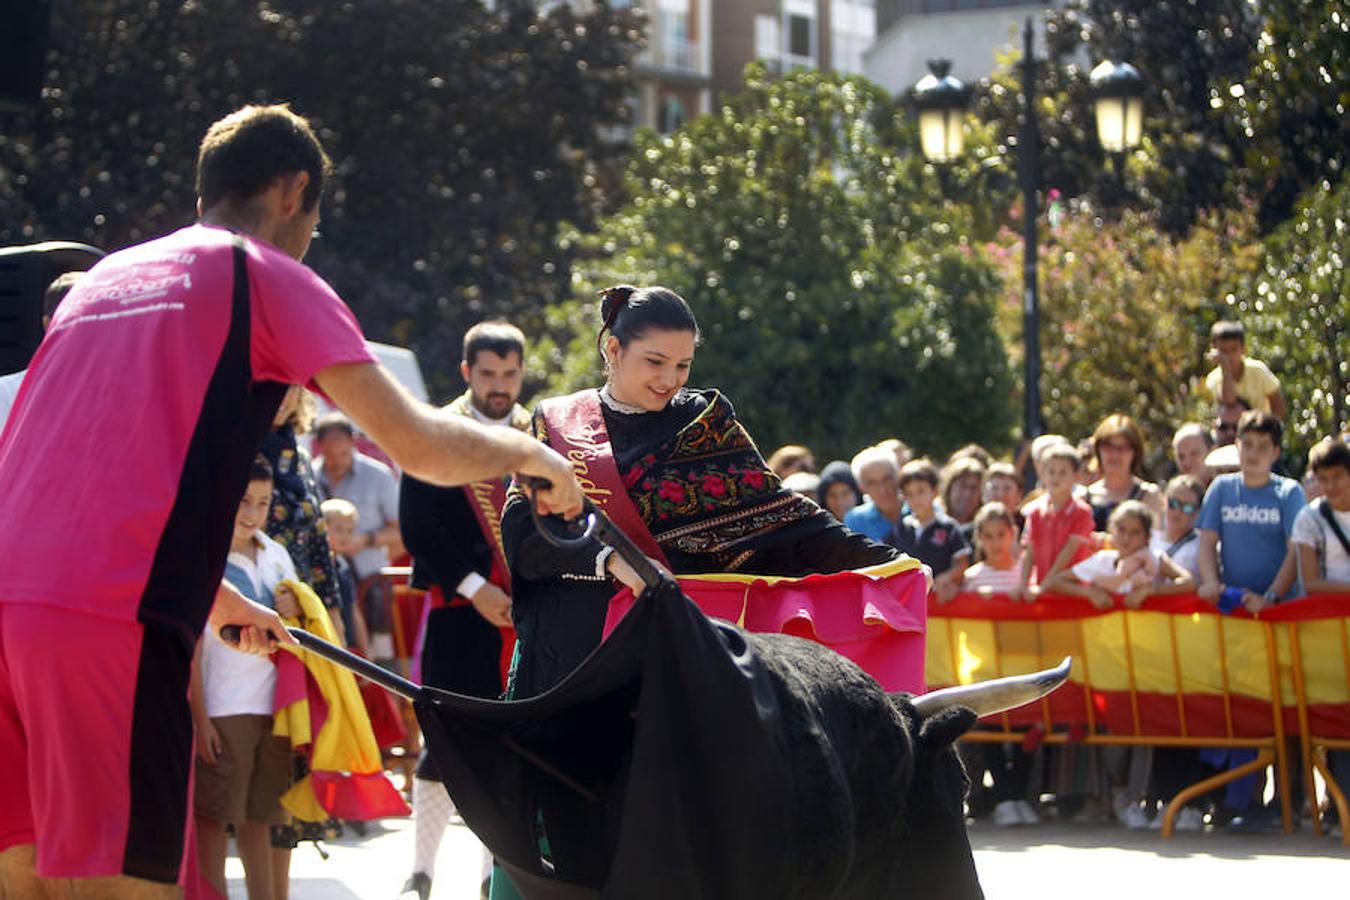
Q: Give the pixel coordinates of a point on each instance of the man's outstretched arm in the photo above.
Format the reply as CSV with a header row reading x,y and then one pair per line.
x,y
441,448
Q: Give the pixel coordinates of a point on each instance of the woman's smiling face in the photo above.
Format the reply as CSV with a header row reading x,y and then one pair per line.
x,y
651,369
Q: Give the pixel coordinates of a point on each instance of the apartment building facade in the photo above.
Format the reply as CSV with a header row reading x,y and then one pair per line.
x,y
786,34
698,49
674,72
970,33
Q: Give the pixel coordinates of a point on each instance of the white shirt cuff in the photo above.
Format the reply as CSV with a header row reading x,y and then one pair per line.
x,y
601,559
470,585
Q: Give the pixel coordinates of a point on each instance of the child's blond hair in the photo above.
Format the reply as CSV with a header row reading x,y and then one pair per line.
x,y
1066,452
337,508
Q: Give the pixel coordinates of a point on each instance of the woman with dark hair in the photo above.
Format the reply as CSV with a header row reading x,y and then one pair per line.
x,y
1118,446
838,491
960,484
675,470
294,520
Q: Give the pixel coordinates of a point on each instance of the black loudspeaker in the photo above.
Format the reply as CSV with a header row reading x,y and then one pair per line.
x,y
25,273
24,27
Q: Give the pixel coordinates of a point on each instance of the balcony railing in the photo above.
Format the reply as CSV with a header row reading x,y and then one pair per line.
x,y
675,54
789,61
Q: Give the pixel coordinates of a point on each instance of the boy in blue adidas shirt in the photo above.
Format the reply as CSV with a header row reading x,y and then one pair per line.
x,y
1246,520
1245,523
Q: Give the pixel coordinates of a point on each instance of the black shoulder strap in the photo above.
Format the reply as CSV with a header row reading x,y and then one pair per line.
x,y
1324,508
1182,541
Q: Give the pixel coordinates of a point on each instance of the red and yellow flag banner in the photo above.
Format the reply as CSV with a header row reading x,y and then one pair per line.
x,y
319,709
1176,667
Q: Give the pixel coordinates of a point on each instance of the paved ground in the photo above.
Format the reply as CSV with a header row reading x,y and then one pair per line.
x,y
1106,862
1101,862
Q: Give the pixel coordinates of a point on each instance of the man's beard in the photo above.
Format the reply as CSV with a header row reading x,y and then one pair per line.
x,y
494,406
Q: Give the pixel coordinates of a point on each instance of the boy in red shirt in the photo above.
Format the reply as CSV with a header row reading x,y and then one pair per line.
x,y
1058,530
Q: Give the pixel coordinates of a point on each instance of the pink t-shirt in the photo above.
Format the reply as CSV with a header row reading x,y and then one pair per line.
x,y
128,448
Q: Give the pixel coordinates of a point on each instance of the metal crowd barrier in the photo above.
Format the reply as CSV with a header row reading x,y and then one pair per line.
x,y
1174,673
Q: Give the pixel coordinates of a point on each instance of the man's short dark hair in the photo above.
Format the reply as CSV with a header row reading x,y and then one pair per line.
x,y
261,470
1227,331
1328,453
333,421
919,470
245,152
1254,420
57,290
501,338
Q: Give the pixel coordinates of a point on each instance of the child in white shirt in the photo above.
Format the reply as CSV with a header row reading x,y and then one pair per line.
x,y
1128,569
242,768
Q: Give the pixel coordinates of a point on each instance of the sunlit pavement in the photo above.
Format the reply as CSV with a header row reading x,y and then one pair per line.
x,y
1105,862
1088,861
375,867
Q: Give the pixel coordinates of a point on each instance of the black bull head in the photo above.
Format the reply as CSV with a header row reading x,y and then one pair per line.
x,y
688,759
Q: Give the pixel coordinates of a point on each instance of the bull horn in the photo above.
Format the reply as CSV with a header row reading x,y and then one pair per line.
x,y
989,697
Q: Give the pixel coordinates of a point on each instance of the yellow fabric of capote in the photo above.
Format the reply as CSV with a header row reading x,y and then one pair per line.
x,y
966,650
345,742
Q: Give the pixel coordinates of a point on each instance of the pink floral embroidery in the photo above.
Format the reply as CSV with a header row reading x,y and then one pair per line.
x,y
672,491
714,486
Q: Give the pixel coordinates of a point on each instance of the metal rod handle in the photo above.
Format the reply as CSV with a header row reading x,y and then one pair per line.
x,y
359,665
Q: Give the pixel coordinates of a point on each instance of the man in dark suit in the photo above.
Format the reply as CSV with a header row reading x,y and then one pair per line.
x,y
454,535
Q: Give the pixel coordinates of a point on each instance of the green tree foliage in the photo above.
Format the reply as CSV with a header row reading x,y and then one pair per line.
x,y
1189,53
840,303
462,136
1297,314
1291,106
1243,99
1125,316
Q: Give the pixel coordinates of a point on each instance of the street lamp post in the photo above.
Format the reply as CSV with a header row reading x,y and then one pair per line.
x,y
1118,100
941,100
1118,97
1029,178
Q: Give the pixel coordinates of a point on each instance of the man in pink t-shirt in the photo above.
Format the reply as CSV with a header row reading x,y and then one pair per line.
x,y
123,461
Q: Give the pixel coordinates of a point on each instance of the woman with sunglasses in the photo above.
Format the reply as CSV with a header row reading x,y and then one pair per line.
x,y
1119,448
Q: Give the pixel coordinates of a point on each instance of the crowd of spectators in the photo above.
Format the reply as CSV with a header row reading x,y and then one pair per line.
x,y
1071,517
1080,518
